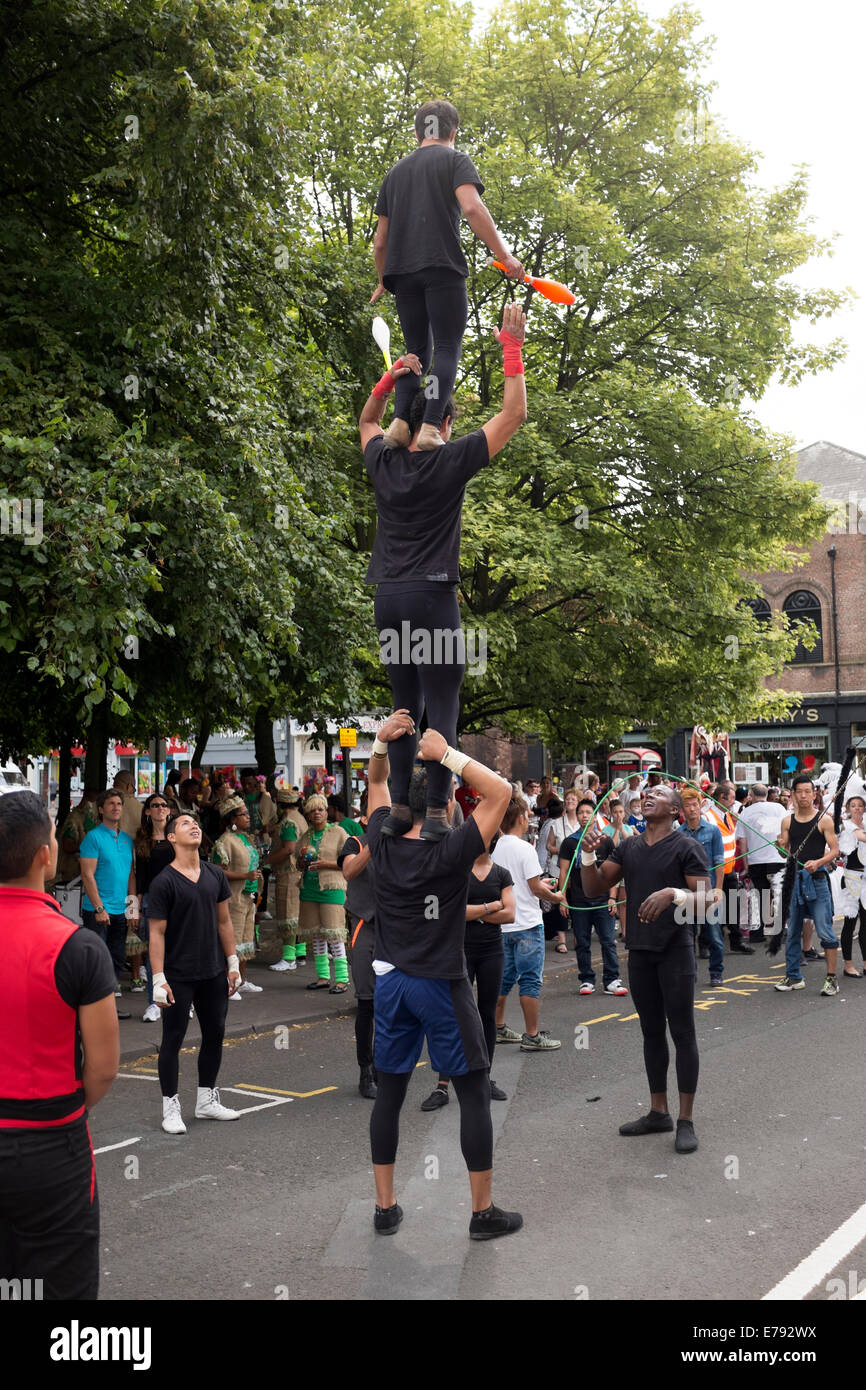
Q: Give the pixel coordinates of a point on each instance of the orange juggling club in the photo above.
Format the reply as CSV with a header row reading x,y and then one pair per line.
x,y
551,289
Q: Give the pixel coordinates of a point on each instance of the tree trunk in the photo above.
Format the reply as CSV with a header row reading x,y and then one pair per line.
x,y
204,732
95,768
266,754
64,777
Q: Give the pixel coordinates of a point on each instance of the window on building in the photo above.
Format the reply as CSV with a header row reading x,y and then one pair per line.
x,y
804,606
760,607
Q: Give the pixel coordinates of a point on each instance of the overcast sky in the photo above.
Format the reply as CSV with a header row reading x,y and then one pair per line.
x,y
790,84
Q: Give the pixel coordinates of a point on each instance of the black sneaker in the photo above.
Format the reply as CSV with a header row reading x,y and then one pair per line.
x,y
436,1099
487,1225
496,1092
366,1084
434,829
395,825
387,1221
742,950
811,955
686,1140
653,1123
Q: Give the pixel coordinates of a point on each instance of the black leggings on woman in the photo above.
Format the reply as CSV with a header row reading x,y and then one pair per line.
x,y
430,683
432,308
663,989
485,967
476,1126
210,998
848,935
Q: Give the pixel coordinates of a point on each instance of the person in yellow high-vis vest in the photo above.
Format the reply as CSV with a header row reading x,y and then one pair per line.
x,y
719,812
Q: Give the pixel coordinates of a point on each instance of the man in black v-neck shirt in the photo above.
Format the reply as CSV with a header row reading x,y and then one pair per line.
x,y
418,257
414,564
192,951
662,872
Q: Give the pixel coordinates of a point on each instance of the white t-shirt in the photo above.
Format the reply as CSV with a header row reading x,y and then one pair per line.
x,y
766,818
521,861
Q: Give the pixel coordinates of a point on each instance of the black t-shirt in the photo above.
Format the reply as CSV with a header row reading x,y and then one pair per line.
x,y
148,866
486,890
421,892
192,945
360,891
83,971
419,501
83,974
417,196
646,869
574,888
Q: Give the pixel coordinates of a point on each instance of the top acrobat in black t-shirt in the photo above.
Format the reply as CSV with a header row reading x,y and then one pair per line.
x,y
419,501
193,950
417,197
421,891
647,868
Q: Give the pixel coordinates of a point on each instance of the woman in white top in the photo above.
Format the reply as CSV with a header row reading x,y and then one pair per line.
x,y
618,830
523,939
552,837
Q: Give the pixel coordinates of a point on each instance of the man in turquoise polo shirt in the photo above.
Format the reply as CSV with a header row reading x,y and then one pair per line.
x,y
108,879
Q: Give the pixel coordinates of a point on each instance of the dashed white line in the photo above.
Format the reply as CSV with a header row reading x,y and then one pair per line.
x,y
124,1144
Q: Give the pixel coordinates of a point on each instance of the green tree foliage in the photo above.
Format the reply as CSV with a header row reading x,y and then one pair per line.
x,y
184,345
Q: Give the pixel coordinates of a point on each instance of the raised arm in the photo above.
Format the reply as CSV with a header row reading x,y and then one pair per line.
x,y
374,408
513,413
494,791
395,726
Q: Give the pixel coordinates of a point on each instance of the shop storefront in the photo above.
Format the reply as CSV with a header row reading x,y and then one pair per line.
x,y
775,752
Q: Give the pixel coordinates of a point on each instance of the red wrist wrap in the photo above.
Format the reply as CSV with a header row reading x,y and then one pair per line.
x,y
385,385
511,354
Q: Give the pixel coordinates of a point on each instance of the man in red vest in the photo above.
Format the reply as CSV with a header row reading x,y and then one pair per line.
x,y
56,998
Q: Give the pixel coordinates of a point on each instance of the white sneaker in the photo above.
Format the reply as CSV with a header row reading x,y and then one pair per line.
x,y
615,987
251,988
284,965
236,996
587,988
172,1122
265,917
151,1014
208,1106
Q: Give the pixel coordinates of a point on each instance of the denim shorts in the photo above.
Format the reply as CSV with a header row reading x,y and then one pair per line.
x,y
524,961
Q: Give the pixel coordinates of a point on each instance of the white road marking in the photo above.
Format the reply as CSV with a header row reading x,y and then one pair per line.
x,y
175,1187
106,1149
810,1271
248,1109
134,1076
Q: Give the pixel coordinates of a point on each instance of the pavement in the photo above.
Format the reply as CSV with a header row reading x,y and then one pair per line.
x,y
279,1204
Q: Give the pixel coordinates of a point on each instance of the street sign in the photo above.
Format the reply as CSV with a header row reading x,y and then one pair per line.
x,y
348,738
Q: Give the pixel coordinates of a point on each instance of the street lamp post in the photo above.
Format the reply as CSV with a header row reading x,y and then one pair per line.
x,y
836,742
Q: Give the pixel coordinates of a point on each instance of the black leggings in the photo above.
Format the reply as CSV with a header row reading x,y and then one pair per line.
x,y
663,988
431,610
432,308
848,934
211,1001
364,1019
476,1126
485,967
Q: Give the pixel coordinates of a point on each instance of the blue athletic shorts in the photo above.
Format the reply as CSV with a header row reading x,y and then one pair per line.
x,y
409,1009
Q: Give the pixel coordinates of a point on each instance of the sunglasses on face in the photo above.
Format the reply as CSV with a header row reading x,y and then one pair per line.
x,y
158,806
